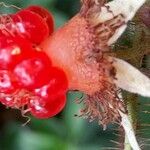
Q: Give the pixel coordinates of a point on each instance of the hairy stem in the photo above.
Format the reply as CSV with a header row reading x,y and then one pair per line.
x,y
131,102
134,54
130,139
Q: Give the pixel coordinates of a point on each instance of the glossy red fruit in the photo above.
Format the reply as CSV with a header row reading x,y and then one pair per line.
x,y
31,25
8,90
57,85
7,82
33,72
13,50
7,100
46,108
14,101
17,99
51,98
45,14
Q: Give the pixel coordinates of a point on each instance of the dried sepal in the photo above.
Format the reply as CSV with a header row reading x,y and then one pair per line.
x,y
131,79
144,15
129,131
104,106
127,8
91,7
124,8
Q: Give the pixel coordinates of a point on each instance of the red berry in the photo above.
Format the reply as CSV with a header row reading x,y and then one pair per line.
x,y
57,85
31,25
7,100
11,94
47,16
46,108
17,99
33,72
51,98
13,50
7,82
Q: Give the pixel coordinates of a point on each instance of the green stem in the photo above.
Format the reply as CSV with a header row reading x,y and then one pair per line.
x,y
132,106
127,144
133,52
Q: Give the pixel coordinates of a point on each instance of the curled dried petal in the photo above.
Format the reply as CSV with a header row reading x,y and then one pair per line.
x,y
125,8
131,79
129,131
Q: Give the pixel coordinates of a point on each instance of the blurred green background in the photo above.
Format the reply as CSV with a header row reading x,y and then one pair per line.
x,y
65,131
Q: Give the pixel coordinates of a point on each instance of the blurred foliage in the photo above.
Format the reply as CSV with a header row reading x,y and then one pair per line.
x,y
65,131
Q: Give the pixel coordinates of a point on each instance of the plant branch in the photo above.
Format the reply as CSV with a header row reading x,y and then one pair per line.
x,y
134,54
129,133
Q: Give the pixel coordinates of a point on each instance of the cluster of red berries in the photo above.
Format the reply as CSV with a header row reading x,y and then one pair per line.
x,y
28,79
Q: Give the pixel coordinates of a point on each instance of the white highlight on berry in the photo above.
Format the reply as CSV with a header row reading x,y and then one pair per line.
x,y
131,79
127,8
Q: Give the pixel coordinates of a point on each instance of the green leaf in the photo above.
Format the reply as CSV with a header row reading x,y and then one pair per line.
x,y
29,140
